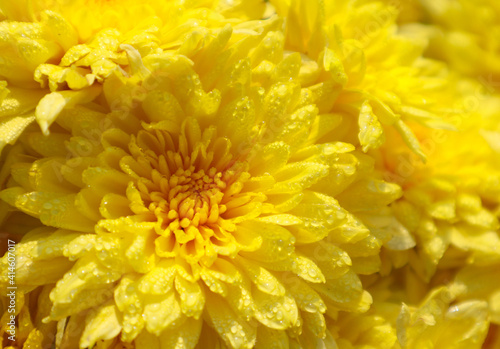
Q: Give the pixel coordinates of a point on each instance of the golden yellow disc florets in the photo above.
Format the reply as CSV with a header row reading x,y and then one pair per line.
x,y
190,187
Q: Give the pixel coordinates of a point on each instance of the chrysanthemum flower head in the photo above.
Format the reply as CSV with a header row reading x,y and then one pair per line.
x,y
450,203
378,74
386,92
464,34
55,54
193,202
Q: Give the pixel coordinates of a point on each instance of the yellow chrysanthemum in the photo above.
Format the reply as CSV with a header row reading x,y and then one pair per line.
x,y
192,201
465,34
450,204
56,52
376,73
462,33
387,88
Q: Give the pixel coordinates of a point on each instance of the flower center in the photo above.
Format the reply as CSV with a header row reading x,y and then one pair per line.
x,y
189,199
190,187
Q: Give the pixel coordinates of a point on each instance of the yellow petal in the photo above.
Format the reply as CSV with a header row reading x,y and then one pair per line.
x,y
235,331
161,312
184,337
100,324
52,104
262,278
268,338
277,312
369,194
19,101
429,326
296,176
345,293
318,214
192,297
371,135
277,242
11,128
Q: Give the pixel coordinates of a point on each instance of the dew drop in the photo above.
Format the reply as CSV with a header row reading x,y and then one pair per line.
x,y
234,329
310,307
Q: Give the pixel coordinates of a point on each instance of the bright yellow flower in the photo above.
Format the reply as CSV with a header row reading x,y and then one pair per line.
x,y
376,74
464,34
192,201
382,87
56,52
450,204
